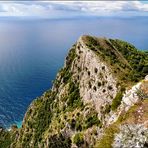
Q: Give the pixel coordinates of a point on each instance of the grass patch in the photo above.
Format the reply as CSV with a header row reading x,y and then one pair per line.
x,y
78,139
108,138
117,100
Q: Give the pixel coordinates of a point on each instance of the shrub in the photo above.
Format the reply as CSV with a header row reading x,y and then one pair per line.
x,y
66,75
74,99
107,108
108,137
78,139
92,120
5,138
73,123
78,127
117,100
59,141
92,41
137,60
145,69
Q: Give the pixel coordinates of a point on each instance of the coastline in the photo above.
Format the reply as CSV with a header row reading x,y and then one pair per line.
x,y
18,123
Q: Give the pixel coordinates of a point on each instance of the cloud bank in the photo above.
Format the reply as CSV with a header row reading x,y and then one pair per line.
x,y
61,9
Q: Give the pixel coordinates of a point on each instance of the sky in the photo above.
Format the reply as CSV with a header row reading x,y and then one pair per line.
x,y
69,9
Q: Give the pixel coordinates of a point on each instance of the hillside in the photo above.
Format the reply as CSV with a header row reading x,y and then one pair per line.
x,y
98,99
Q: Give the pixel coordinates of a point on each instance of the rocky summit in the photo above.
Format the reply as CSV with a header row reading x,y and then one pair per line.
x,y
99,99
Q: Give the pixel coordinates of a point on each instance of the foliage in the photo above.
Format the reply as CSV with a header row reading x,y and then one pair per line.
x,y
78,139
138,60
141,94
122,56
59,141
107,108
117,100
74,99
91,120
38,118
6,138
49,114
108,137
66,71
65,74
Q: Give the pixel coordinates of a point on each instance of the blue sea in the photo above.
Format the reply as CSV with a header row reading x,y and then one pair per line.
x,y
32,52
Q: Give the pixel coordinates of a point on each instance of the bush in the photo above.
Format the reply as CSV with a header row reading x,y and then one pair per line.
x,y
74,99
73,124
78,127
78,139
107,108
92,120
145,70
57,141
117,100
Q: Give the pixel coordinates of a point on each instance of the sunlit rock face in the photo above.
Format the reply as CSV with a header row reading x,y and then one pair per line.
x,y
97,83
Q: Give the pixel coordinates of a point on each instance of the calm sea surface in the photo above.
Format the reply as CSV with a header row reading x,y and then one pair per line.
x,y
31,53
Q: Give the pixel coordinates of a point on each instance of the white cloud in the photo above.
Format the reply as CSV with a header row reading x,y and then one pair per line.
x,y
51,9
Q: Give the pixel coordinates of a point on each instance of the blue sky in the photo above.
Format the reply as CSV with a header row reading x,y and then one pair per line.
x,y
144,2
63,9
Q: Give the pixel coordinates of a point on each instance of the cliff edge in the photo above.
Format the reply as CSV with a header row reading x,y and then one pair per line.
x,y
98,99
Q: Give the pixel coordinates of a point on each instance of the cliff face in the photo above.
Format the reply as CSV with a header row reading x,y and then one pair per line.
x,y
94,95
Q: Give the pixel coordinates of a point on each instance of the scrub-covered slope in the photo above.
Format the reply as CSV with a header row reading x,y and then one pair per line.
x,y
92,98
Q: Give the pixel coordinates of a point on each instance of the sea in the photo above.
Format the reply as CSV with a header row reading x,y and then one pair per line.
x,y
33,50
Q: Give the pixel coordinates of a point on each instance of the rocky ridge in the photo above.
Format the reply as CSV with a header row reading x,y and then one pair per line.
x,y
100,89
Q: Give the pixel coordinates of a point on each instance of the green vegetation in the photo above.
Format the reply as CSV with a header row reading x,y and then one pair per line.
x,y
44,113
128,63
117,100
65,74
107,108
108,137
126,117
73,99
79,122
59,141
78,139
141,94
6,138
92,119
38,118
49,116
138,60
66,71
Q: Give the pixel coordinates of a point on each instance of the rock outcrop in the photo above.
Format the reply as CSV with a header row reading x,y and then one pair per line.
x,y
100,89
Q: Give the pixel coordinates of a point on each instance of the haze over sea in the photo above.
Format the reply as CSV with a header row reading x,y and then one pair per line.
x,y
32,52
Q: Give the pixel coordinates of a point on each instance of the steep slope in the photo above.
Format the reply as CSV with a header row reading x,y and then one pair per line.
x,y
91,97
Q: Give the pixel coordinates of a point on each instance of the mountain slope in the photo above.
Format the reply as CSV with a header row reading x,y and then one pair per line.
x,y
91,97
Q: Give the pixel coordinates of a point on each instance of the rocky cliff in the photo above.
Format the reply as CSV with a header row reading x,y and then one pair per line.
x,y
98,99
